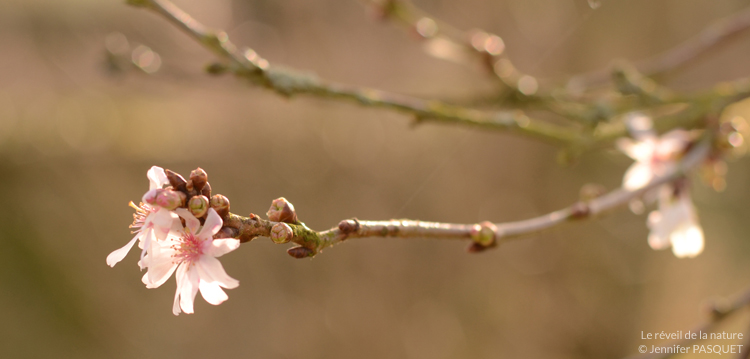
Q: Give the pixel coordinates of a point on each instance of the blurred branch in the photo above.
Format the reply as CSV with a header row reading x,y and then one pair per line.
x,y
689,52
483,235
249,65
720,312
597,118
444,41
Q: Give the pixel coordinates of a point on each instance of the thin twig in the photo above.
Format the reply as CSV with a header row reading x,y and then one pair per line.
x,y
687,53
444,41
312,242
248,64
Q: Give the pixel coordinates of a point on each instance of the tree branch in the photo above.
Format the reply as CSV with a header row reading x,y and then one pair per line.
x,y
687,53
249,65
312,242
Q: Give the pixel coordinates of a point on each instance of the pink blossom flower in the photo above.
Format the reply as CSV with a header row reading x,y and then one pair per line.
x,y
151,222
193,257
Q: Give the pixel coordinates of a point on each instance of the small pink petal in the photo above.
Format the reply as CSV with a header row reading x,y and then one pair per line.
x,y
179,278
117,255
221,246
212,293
188,290
147,238
191,222
211,269
160,267
157,177
163,219
213,223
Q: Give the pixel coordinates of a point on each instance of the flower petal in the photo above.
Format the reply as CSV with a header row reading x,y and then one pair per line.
x,y
147,238
212,293
179,278
157,177
222,246
160,266
191,223
638,175
658,238
117,255
212,225
163,220
641,151
189,289
211,270
688,242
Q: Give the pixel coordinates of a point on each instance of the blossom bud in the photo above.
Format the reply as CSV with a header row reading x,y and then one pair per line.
x,y
348,226
178,182
198,177
220,203
282,211
281,233
300,252
170,199
150,196
484,234
206,191
198,206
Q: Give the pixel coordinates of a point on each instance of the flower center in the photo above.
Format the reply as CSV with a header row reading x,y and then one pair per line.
x,y
142,210
188,249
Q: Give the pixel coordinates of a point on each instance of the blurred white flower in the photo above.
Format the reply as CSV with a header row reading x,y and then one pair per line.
x,y
193,257
151,222
675,223
653,155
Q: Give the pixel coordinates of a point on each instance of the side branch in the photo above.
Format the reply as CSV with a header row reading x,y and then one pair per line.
x,y
717,34
287,82
312,242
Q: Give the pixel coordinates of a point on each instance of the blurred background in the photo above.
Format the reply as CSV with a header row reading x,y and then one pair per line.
x,y
79,130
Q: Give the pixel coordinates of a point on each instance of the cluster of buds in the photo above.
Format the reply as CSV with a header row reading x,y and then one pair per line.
x,y
193,194
181,231
282,211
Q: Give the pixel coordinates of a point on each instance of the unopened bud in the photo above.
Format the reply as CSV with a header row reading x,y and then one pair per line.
x,y
348,226
300,252
580,210
484,234
170,199
281,233
282,211
178,182
220,203
150,196
198,206
206,191
199,177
